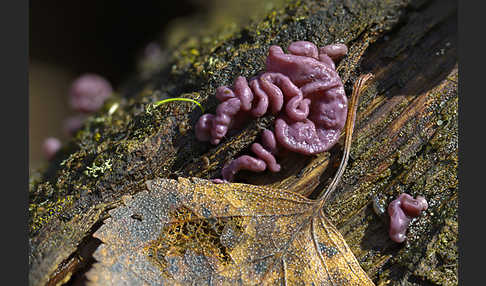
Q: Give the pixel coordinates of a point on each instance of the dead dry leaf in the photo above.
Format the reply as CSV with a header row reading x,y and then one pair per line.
x,y
194,232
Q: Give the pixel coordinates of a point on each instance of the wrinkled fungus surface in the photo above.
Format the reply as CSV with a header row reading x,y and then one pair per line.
x,y
88,92
401,212
304,91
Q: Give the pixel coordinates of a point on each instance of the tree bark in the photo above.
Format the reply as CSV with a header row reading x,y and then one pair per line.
x,y
405,138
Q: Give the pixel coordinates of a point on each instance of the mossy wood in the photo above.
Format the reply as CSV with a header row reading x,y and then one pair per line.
x,y
195,232
405,138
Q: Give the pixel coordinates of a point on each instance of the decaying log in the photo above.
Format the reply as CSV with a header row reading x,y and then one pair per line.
x,y
405,140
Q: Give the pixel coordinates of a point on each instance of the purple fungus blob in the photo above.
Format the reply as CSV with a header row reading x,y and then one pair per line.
x,y
269,142
221,122
73,124
266,156
304,91
203,127
244,162
88,93
303,48
50,147
401,211
335,51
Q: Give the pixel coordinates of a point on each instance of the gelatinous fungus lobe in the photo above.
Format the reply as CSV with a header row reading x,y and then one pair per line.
x,y
88,92
401,211
50,147
304,91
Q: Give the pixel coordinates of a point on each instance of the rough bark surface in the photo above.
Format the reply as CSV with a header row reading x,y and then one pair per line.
x,y
405,140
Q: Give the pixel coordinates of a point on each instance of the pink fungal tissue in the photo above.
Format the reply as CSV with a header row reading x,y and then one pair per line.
x,y
50,146
88,92
401,211
303,90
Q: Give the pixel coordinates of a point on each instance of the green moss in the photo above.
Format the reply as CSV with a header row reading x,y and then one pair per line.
x,y
440,263
43,212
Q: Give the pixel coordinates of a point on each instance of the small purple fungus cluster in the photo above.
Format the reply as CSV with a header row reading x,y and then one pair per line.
x,y
86,95
73,124
304,91
401,211
50,147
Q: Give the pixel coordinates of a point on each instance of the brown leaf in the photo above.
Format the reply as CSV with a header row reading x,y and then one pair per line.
x,y
194,232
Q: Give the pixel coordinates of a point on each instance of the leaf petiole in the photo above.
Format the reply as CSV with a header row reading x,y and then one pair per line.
x,y
359,86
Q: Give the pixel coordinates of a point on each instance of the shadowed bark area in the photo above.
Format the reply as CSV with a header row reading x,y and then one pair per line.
x,y
405,139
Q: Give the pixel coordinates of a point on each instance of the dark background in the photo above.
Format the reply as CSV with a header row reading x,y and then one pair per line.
x,y
68,38
99,36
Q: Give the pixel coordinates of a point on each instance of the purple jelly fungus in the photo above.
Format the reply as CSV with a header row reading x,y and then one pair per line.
x,y
73,124
304,91
244,162
401,212
50,147
88,93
